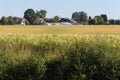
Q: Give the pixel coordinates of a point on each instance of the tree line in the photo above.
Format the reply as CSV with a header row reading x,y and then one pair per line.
x,y
80,17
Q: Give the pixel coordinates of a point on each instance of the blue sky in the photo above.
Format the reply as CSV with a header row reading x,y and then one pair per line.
x,y
63,8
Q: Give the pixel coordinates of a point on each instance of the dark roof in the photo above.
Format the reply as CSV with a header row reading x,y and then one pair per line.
x,y
67,20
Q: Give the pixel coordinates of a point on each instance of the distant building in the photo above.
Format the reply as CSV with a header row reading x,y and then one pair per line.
x,y
67,21
39,21
21,21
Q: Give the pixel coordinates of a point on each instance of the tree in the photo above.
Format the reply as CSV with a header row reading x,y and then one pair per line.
x,y
111,21
41,13
30,15
56,18
98,20
104,16
11,21
49,20
4,20
89,17
114,22
80,17
91,21
76,16
83,16
117,22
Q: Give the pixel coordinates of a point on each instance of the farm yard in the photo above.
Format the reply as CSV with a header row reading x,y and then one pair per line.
x,y
60,52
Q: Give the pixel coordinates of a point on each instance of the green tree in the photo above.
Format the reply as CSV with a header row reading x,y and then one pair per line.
x,y
89,17
41,13
83,16
56,18
105,18
4,20
30,15
49,20
111,21
91,21
80,17
76,16
98,20
11,21
117,22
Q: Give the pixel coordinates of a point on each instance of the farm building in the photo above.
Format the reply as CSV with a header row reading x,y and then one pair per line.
x,y
67,21
21,21
39,21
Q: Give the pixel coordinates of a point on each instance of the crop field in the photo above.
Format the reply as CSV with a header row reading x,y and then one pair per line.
x,y
60,52
81,29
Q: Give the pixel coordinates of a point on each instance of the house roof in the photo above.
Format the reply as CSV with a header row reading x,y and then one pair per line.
x,y
23,20
39,21
67,20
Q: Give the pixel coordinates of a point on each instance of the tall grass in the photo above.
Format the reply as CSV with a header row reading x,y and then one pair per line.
x,y
59,57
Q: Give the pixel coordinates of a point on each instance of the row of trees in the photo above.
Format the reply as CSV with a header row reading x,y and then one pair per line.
x,y
82,18
7,20
98,20
30,15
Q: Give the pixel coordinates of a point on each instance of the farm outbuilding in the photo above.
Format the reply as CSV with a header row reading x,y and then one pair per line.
x,y
39,21
67,21
21,21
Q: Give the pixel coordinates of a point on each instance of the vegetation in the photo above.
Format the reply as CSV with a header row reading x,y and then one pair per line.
x,y
42,53
72,30
7,20
105,18
80,17
46,53
52,20
4,20
41,13
98,20
30,15
59,57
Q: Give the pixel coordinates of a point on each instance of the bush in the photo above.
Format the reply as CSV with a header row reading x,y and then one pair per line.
x,y
29,69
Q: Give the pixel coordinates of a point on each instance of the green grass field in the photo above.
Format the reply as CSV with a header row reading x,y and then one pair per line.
x,y
60,52
81,29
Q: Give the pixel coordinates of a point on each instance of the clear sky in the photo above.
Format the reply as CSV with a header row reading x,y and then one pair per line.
x,y
63,8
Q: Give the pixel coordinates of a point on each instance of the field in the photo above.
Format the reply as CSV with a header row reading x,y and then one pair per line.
x,y
60,52
104,29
